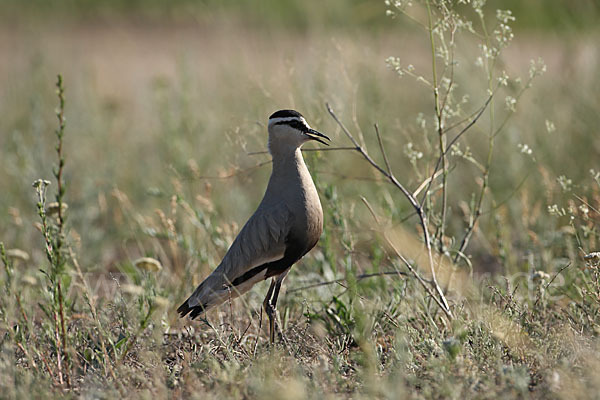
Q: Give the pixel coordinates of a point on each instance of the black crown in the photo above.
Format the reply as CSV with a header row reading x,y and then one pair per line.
x,y
286,114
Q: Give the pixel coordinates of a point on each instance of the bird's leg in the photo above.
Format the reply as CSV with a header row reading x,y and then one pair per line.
x,y
274,306
270,310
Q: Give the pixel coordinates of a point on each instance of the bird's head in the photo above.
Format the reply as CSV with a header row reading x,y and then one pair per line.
x,y
289,129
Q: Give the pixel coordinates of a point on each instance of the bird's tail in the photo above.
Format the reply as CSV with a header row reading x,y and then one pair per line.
x,y
211,292
194,311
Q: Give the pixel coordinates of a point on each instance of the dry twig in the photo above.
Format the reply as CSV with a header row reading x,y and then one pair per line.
x,y
441,298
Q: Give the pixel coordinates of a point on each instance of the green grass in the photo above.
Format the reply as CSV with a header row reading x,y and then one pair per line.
x,y
160,121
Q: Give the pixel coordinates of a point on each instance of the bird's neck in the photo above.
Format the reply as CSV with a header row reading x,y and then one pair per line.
x,y
289,178
288,161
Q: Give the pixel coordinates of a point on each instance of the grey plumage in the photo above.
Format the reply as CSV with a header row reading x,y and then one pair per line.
x,y
286,225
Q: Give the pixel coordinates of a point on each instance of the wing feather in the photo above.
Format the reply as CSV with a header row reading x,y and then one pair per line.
x,y
261,240
262,237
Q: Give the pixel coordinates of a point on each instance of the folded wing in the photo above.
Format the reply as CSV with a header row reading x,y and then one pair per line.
x,y
261,241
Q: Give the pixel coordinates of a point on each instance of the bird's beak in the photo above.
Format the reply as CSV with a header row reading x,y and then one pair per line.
x,y
315,135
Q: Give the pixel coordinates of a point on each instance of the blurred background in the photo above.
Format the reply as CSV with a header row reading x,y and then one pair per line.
x,y
166,111
172,98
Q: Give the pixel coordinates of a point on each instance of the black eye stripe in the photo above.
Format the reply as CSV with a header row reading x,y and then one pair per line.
x,y
294,124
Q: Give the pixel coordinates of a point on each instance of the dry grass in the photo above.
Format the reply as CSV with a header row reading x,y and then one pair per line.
x,y
160,121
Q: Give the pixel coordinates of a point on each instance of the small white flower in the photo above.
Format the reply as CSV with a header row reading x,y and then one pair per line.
x,y
596,175
565,183
555,210
536,68
394,63
421,121
511,103
539,277
503,80
505,16
525,149
412,154
40,183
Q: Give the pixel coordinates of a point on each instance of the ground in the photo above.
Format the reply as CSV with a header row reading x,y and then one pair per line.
x,y
164,157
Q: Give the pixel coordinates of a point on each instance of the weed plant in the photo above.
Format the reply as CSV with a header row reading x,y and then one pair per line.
x,y
457,259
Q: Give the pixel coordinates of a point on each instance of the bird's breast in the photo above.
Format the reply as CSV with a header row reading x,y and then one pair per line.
x,y
312,213
292,183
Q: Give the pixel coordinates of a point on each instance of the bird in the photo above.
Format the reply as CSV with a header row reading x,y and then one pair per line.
x,y
286,225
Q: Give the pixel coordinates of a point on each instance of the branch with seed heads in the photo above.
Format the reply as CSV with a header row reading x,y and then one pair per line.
x,y
440,298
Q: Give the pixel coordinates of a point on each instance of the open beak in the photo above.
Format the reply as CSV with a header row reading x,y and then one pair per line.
x,y
315,135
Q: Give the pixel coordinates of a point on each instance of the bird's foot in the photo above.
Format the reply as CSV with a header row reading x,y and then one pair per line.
x,y
271,313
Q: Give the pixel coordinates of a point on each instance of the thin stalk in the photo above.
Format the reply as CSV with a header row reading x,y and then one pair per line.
x,y
8,268
132,340
477,211
59,350
59,240
476,118
439,115
63,331
29,358
404,260
358,278
48,369
444,150
60,115
414,203
40,186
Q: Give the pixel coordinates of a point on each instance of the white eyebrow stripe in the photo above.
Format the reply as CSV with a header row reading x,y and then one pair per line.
x,y
287,119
